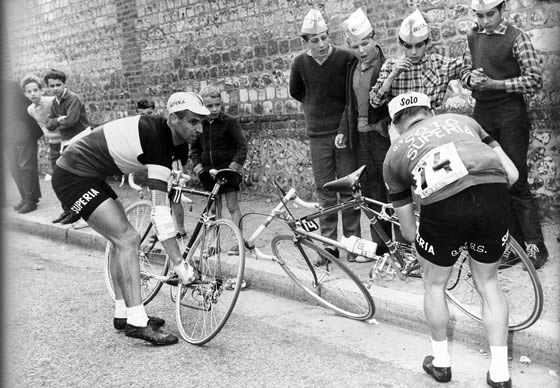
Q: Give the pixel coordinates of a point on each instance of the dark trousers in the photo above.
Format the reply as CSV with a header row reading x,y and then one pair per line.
x,y
24,167
329,163
54,154
508,123
372,148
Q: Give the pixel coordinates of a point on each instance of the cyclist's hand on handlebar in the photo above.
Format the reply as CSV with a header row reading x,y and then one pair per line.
x,y
213,172
340,141
235,167
198,169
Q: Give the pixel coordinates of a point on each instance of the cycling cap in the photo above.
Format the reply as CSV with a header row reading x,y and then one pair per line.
x,y
357,26
187,101
485,5
414,28
313,23
406,100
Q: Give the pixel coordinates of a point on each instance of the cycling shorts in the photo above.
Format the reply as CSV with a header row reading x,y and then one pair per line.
x,y
80,194
473,219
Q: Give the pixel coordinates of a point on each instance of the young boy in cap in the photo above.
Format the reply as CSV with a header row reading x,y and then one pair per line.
x,y
461,178
318,81
363,127
415,70
502,65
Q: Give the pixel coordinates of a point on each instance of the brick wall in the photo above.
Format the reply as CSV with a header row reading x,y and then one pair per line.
x,y
118,51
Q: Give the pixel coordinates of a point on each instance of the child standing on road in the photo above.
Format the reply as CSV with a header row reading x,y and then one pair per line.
x,y
221,145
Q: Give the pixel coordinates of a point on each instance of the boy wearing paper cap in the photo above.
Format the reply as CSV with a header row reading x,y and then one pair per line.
x,y
415,70
502,65
364,128
318,81
460,176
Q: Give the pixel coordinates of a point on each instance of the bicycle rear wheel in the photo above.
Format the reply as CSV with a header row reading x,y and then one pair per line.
x,y
518,279
334,286
153,260
204,306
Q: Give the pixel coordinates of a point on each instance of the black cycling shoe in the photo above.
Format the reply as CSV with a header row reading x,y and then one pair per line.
x,y
441,375
500,384
120,323
155,336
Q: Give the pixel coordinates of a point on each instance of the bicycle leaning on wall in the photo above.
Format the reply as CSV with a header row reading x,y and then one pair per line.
x,y
331,283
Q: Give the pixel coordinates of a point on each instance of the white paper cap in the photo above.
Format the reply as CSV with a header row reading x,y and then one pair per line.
x,y
357,26
414,28
406,100
313,23
187,101
485,5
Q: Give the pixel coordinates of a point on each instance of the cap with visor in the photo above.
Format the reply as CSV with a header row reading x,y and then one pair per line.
x,y
187,101
407,100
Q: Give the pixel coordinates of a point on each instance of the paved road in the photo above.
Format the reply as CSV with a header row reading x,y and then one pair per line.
x,y
59,334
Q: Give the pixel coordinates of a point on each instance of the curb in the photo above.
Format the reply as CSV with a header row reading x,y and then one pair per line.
x,y
541,342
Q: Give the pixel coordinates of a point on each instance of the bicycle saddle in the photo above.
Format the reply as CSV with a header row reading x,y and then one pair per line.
x,y
232,177
348,184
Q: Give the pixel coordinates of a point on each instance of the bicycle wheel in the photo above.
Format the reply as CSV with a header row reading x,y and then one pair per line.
x,y
335,286
153,260
204,306
518,279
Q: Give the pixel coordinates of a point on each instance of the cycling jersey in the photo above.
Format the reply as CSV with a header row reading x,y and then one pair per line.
x,y
124,146
439,157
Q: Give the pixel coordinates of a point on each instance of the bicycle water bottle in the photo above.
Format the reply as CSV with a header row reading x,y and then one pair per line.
x,y
359,246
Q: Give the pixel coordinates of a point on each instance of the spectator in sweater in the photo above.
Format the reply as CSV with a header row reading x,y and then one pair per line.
x,y
503,66
318,81
22,133
221,145
40,109
68,117
416,70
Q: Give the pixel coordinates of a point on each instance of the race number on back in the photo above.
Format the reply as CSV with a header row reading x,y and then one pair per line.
x,y
437,169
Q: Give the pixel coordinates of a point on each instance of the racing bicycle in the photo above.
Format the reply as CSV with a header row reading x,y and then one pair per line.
x,y
331,283
215,250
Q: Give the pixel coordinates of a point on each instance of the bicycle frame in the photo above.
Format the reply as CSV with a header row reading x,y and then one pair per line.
x,y
305,226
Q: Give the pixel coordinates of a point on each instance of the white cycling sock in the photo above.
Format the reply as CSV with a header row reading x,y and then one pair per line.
x,y
136,316
120,308
441,354
499,370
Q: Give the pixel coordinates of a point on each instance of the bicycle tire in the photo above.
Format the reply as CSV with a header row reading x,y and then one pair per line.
x,y
212,297
519,281
152,260
338,288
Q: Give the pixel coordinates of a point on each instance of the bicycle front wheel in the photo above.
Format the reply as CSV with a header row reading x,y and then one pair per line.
x,y
152,258
519,281
204,306
325,278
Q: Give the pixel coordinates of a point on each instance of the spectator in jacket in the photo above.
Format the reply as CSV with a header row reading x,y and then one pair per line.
x,y
22,135
68,117
221,145
363,128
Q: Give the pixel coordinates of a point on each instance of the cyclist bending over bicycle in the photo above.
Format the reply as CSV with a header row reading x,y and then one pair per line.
x,y
460,176
124,146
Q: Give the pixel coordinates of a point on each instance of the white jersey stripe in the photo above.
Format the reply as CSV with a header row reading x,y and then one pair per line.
x,y
123,141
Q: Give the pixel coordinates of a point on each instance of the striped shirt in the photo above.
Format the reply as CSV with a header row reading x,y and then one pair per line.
x,y
523,51
429,76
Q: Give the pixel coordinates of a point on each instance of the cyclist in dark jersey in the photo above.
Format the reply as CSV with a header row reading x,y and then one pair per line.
x,y
124,146
460,177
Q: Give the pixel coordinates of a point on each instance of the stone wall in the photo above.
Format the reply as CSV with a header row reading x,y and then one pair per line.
x,y
118,51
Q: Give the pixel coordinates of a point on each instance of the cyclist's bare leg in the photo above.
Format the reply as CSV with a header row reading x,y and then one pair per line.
x,y
114,263
178,217
110,221
494,316
435,305
233,208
